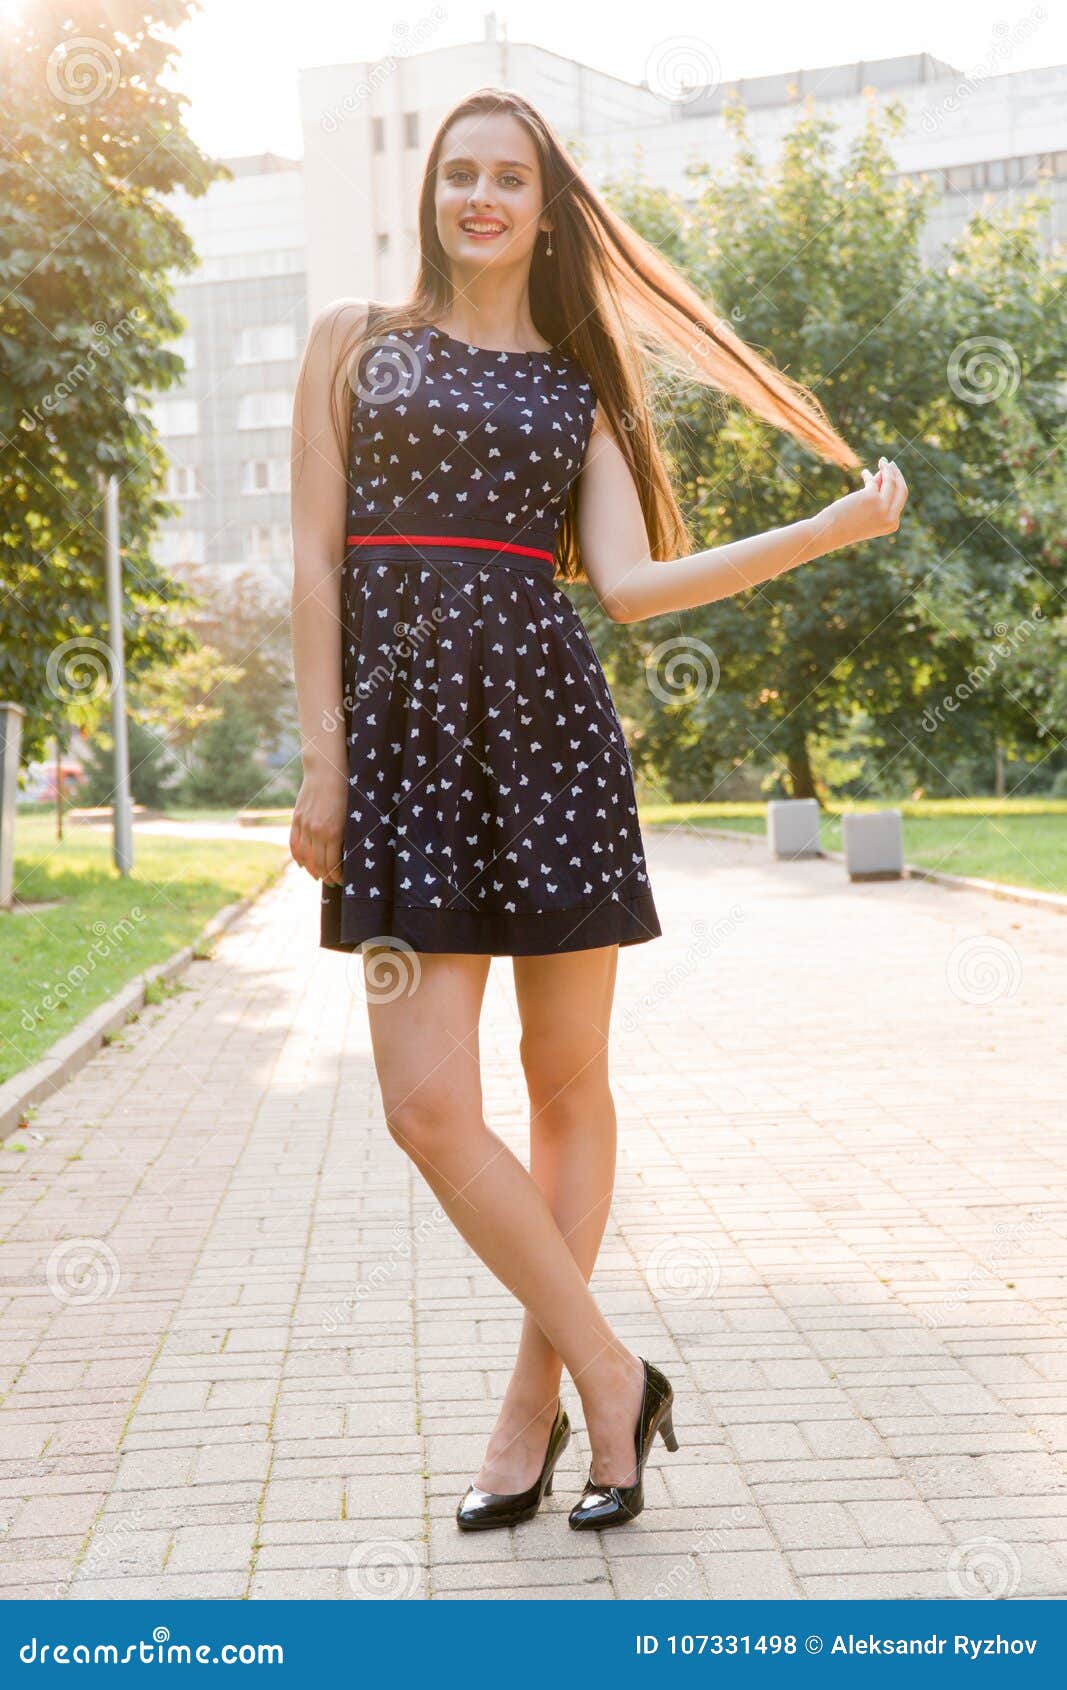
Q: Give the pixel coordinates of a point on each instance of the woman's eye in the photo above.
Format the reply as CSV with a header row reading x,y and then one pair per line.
x,y
508,178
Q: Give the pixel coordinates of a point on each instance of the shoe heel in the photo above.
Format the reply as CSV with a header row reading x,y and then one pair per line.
x,y
550,1483
666,1427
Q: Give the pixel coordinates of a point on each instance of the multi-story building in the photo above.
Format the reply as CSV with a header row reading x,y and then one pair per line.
x,y
279,241
226,428
368,126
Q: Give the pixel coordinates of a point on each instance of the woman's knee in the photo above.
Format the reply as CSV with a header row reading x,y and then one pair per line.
x,y
563,1076
416,1121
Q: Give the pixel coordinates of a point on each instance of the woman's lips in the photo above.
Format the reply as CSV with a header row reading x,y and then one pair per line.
x,y
482,234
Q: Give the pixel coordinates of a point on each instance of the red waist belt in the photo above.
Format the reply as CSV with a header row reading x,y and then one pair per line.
x,y
446,540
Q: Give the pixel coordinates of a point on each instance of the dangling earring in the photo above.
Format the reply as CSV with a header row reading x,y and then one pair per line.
x,y
548,249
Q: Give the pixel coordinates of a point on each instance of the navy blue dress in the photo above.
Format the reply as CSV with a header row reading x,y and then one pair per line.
x,y
492,806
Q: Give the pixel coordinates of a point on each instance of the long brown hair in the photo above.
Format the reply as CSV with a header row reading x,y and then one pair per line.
x,y
605,297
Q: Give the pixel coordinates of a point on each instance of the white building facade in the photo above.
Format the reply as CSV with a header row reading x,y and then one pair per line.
x,y
226,428
282,240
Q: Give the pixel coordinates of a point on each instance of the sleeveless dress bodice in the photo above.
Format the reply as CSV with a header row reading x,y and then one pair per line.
x,y
491,797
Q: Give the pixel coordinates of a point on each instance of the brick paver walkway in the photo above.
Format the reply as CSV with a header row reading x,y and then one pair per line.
x,y
839,1228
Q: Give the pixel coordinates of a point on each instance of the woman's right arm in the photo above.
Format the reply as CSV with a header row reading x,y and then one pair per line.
x,y
319,502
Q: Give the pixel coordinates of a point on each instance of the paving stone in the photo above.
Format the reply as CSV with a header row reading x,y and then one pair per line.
x,y
294,1379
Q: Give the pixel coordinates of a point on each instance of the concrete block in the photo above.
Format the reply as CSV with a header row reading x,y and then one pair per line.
x,y
793,827
874,845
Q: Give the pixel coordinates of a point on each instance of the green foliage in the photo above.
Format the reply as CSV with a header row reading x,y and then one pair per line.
x,y
223,768
241,628
151,769
93,139
955,369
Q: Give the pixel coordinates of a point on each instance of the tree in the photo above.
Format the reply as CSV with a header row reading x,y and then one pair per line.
x,y
151,770
818,264
223,769
241,627
87,252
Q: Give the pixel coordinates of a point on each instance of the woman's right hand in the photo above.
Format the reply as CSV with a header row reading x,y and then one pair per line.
x,y
864,515
316,837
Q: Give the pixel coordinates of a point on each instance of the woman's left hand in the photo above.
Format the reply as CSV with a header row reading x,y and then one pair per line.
x,y
864,515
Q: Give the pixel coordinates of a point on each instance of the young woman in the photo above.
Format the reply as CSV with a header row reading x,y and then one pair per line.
x,y
467,789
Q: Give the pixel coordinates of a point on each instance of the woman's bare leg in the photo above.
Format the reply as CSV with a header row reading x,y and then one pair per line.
x,y
425,1042
565,1007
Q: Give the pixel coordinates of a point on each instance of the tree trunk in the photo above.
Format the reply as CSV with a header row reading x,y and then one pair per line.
x,y
800,774
59,787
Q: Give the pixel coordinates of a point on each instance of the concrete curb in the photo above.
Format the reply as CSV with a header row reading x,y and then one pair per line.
x,y
1054,901
73,1050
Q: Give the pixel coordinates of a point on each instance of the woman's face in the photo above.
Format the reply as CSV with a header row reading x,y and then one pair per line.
x,y
488,196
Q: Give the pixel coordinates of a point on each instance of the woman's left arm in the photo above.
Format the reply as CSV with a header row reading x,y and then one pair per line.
x,y
631,587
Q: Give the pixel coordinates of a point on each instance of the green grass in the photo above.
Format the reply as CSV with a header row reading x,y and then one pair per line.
x,y
1022,842
56,964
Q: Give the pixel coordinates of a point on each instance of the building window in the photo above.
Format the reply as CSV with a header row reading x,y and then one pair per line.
x,y
176,416
180,545
267,542
265,410
182,482
265,475
377,127
265,343
411,129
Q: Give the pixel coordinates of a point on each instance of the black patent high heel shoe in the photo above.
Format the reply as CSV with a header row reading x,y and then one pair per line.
x,y
482,1509
616,1505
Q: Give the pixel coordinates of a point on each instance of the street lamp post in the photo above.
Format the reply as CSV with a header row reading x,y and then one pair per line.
x,y
122,842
